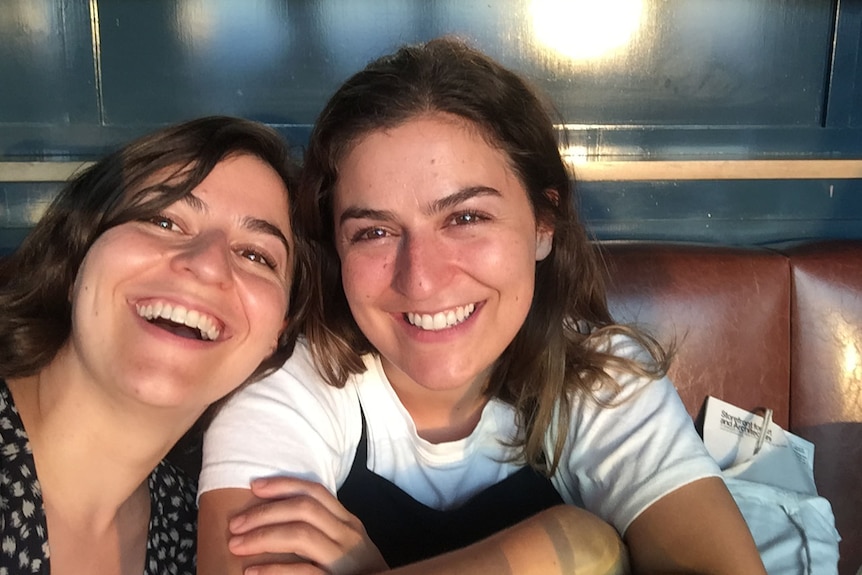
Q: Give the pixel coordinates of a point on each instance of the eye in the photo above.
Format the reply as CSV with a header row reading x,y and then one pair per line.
x,y
368,234
467,218
258,257
164,222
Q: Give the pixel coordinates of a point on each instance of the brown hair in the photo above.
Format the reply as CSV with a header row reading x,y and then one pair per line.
x,y
559,348
35,281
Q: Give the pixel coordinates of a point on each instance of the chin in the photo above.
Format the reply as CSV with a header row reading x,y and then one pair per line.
x,y
170,394
447,382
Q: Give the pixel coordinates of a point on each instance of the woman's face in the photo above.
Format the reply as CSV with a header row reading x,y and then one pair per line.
x,y
438,247
180,309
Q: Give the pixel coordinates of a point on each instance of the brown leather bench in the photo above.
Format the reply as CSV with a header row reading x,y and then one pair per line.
x,y
758,327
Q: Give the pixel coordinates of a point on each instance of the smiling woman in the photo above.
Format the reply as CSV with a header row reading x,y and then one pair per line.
x,y
158,282
465,401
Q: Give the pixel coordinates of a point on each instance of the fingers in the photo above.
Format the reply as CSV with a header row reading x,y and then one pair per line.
x,y
346,551
288,487
289,500
304,519
282,569
297,537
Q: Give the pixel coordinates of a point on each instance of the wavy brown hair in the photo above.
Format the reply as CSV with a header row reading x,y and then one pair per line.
x,y
135,182
558,352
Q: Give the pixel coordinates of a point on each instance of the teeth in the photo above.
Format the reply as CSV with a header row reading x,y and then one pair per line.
x,y
179,314
442,319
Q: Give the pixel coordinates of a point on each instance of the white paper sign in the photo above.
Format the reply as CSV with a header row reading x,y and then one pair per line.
x,y
732,434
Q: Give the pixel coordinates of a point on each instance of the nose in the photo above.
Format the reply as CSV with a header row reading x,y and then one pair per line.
x,y
421,267
207,257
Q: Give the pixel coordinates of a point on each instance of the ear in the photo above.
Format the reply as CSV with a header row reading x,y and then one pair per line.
x,y
544,241
544,231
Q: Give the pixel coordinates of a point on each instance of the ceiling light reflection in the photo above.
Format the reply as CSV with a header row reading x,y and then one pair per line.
x,y
574,155
233,35
585,29
25,19
195,22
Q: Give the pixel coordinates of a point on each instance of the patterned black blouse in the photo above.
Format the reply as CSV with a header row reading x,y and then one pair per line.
x,y
23,529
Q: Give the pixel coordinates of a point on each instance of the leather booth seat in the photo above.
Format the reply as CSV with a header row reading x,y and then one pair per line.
x,y
760,327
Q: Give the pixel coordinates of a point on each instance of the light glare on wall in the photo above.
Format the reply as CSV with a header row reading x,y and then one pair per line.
x,y
195,22
27,19
850,368
574,155
585,29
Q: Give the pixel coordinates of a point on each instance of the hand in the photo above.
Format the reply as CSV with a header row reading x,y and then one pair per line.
x,y
307,527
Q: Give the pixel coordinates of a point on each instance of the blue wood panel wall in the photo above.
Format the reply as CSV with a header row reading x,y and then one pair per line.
x,y
662,79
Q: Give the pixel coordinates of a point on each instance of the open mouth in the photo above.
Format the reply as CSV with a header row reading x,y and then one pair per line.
x,y
442,319
178,320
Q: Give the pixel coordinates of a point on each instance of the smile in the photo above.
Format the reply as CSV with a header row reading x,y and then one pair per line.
x,y
178,320
442,319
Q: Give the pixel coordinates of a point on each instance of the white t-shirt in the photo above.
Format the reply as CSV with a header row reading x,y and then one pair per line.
x,y
617,460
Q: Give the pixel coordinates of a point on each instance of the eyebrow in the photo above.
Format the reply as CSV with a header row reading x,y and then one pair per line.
x,y
461,196
266,227
434,207
248,222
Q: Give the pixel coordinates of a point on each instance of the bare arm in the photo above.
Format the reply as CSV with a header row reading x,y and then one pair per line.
x,y
695,529
282,525
288,516
562,540
214,513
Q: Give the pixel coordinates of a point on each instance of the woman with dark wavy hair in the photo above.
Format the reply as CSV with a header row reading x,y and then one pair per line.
x,y
157,282
462,373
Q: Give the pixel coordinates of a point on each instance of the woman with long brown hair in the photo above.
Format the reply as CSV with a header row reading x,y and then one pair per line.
x,y
462,376
158,281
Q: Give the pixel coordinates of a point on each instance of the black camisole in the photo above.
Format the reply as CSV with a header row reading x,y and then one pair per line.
x,y
406,531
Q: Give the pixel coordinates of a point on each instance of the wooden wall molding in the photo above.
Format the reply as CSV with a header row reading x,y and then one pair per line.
x,y
588,171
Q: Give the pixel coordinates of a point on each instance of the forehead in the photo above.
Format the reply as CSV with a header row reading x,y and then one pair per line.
x,y
173,182
249,185
426,146
443,120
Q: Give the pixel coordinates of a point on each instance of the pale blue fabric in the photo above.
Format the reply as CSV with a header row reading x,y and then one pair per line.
x,y
795,532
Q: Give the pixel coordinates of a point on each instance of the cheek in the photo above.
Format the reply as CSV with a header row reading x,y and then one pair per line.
x,y
79,286
266,304
512,256
83,290
515,273
362,277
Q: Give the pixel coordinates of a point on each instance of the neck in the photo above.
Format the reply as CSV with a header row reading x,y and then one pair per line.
x,y
441,415
93,453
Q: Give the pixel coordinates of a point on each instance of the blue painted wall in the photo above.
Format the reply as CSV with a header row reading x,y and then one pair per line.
x,y
678,79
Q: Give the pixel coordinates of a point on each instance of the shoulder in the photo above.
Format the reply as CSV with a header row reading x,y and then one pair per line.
x,y
626,453
291,421
638,399
295,387
626,362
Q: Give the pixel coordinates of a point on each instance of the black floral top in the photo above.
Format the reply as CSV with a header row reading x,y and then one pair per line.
x,y
23,528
